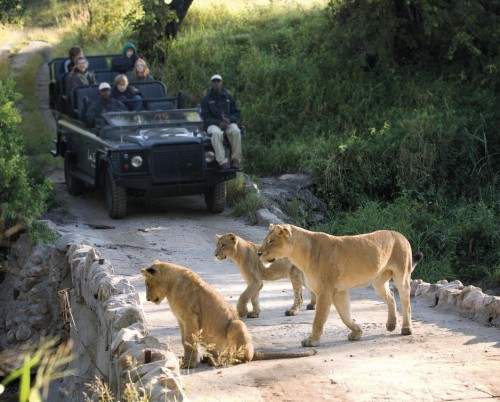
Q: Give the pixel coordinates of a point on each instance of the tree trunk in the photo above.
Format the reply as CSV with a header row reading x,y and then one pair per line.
x,y
181,8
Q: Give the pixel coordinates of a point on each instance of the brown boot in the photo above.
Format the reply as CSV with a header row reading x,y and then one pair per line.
x,y
235,163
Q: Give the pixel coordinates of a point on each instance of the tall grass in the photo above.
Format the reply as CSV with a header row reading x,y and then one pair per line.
x,y
411,146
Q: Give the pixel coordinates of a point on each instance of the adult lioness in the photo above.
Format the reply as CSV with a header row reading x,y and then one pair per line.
x,y
203,316
244,254
334,264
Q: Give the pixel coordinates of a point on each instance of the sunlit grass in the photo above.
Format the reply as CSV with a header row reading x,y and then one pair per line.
x,y
47,361
243,6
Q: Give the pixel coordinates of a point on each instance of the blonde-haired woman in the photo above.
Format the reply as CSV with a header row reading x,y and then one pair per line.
x,y
141,72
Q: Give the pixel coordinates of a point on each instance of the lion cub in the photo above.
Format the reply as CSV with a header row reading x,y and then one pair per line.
x,y
204,316
244,254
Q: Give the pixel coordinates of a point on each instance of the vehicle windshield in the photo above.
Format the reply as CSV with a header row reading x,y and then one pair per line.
x,y
160,117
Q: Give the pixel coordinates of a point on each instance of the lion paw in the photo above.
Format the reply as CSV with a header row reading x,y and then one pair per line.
x,y
308,342
190,365
355,336
311,306
289,313
253,314
406,331
242,312
391,326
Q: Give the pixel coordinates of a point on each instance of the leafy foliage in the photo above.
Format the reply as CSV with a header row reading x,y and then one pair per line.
x,y
105,19
11,11
22,198
150,30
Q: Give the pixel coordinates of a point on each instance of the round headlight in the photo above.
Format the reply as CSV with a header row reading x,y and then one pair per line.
x,y
209,156
136,161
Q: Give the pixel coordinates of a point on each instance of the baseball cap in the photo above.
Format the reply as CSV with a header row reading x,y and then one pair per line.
x,y
216,77
104,85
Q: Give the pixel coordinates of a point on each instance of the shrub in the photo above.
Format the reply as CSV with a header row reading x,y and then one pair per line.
x,y
22,198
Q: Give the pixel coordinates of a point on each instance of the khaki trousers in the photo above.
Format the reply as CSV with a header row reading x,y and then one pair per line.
x,y
233,135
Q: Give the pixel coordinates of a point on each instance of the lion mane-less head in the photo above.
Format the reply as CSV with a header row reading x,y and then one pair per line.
x,y
226,246
155,289
275,243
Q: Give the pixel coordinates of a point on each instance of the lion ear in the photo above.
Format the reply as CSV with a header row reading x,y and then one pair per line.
x,y
148,272
287,230
231,237
283,231
217,236
156,262
271,227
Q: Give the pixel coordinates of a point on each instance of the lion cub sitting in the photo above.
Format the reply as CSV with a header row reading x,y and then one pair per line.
x,y
244,254
204,316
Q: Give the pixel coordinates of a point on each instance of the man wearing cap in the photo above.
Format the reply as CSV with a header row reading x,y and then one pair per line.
x,y
104,104
221,115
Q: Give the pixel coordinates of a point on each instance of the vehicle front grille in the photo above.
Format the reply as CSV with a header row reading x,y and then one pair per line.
x,y
178,163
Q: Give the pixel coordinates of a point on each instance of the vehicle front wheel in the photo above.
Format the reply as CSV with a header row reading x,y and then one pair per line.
x,y
116,198
215,197
74,186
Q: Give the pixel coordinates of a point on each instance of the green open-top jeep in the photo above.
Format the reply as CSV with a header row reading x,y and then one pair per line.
x,y
159,152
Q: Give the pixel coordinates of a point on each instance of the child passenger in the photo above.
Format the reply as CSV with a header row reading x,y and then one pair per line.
x,y
127,93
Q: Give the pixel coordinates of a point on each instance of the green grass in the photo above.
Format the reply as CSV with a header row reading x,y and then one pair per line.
x,y
411,146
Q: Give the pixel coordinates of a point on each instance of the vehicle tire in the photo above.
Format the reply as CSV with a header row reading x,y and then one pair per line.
x,y
215,197
116,198
74,186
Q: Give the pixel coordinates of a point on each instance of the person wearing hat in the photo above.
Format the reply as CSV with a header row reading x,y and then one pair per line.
x,y
104,104
127,61
220,116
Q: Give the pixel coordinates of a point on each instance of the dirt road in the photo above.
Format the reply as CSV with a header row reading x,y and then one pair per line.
x,y
447,359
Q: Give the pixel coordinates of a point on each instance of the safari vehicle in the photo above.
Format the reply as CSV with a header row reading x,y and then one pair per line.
x,y
159,152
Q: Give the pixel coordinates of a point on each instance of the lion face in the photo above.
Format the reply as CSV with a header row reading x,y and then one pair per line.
x,y
155,291
226,246
275,245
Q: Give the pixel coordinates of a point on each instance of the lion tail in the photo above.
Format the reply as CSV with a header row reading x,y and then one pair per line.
x,y
282,355
416,259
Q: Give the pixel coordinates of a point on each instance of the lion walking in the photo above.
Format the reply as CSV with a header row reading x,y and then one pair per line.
x,y
244,254
334,264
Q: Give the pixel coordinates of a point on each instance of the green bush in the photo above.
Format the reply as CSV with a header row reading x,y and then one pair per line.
x,y
22,196
11,11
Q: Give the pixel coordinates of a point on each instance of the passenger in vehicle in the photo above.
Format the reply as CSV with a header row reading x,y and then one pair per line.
x,y
125,92
221,115
141,72
104,104
81,75
127,61
69,63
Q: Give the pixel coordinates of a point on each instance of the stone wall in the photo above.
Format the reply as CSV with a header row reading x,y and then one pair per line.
x,y
67,289
466,301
